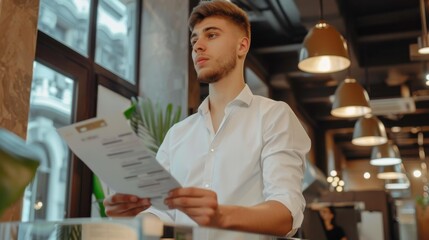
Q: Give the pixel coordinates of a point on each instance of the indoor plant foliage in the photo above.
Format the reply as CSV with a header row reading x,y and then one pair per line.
x,y
150,122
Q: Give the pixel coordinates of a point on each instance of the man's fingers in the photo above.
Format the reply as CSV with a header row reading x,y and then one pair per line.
x,y
120,198
191,192
197,212
121,211
191,202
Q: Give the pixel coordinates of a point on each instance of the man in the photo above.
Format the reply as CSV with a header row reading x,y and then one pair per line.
x,y
241,157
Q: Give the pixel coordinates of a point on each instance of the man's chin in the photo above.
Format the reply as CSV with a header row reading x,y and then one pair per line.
x,y
208,78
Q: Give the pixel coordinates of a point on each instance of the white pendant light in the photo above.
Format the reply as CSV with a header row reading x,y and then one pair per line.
x,y
397,184
385,154
351,100
369,131
391,172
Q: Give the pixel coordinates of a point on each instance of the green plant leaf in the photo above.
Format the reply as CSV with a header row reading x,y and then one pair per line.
x,y
97,189
159,127
167,121
177,116
130,111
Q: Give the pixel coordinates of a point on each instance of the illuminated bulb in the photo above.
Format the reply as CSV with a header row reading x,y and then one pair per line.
x,y
395,129
367,175
324,65
339,189
417,173
334,184
341,183
336,179
333,173
330,179
38,205
427,83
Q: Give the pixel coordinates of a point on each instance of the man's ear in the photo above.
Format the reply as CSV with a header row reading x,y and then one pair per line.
x,y
243,47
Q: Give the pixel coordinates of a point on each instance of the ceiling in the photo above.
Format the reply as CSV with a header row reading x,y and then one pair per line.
x,y
379,34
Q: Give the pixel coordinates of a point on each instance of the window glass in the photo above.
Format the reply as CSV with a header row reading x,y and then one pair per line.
x,y
50,108
67,21
116,37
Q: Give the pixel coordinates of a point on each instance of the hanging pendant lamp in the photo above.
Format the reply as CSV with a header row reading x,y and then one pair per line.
x,y
351,100
397,184
385,154
324,49
392,172
369,131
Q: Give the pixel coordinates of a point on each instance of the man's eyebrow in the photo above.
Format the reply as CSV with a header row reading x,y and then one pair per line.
x,y
206,30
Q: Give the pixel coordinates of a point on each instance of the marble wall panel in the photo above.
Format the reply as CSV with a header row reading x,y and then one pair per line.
x,y
164,52
18,32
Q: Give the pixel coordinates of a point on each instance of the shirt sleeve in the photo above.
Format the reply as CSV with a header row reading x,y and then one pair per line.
x,y
285,145
163,158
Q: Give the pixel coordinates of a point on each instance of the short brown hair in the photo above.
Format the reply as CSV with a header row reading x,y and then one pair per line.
x,y
220,8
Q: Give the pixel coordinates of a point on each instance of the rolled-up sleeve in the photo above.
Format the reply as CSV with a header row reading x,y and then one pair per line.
x,y
285,145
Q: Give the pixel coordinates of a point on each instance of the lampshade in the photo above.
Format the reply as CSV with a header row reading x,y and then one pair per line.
x,y
351,100
324,50
423,43
391,172
397,184
385,154
369,131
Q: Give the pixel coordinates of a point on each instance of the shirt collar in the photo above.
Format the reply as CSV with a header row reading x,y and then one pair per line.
x,y
244,98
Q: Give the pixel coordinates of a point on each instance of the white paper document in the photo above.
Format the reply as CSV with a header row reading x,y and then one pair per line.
x,y
110,148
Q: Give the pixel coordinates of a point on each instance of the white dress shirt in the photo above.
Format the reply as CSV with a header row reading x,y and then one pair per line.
x,y
256,155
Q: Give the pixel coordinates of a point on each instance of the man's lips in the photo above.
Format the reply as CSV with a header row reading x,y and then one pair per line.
x,y
200,60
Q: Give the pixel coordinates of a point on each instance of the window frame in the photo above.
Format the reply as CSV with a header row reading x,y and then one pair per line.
x,y
88,75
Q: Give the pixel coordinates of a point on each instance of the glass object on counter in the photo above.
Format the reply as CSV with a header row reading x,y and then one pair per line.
x,y
147,228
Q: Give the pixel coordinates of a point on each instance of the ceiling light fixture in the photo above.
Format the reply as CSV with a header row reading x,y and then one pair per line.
x,y
351,100
369,131
397,184
391,172
385,154
324,49
423,41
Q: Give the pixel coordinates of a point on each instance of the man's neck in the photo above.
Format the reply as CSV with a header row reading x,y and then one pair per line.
x,y
224,91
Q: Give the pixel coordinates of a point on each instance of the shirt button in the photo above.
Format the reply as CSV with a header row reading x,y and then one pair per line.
x,y
212,150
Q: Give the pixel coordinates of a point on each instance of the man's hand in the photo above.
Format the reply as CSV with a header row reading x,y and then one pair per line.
x,y
199,204
125,205
269,217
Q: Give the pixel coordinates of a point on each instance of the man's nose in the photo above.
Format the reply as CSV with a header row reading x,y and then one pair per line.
x,y
199,46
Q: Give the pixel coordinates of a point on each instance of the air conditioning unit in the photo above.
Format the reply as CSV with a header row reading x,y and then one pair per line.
x,y
392,106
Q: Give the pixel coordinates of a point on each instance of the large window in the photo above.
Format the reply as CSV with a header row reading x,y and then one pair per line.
x,y
67,21
81,45
50,107
116,35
